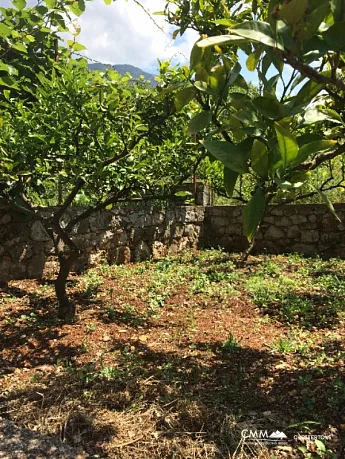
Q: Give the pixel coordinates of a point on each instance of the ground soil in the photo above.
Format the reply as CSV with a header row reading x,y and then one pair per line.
x,y
153,368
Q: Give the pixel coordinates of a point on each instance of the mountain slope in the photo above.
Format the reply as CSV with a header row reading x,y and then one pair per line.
x,y
136,72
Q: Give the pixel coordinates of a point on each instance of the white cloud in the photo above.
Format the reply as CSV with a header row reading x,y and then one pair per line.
x,y
123,33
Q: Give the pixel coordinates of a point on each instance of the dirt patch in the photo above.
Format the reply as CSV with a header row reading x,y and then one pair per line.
x,y
176,358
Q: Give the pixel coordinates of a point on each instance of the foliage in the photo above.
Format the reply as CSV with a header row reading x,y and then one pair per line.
x,y
296,49
74,136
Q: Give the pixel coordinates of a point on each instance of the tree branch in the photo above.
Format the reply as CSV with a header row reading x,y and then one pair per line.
x,y
313,164
68,201
308,71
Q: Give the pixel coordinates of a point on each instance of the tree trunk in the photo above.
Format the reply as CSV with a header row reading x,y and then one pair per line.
x,y
66,308
248,251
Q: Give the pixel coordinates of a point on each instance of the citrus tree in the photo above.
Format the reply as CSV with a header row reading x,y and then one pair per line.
x,y
68,134
296,123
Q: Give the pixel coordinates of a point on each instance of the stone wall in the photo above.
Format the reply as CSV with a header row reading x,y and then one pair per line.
x,y
137,233
118,236
304,228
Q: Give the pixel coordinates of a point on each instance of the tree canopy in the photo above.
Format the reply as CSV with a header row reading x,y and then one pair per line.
x,y
69,135
297,50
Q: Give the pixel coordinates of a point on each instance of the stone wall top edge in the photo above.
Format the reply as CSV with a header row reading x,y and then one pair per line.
x,y
338,205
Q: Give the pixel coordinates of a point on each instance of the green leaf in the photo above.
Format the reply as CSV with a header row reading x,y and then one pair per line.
x,y
328,203
293,11
230,155
8,68
246,117
78,47
259,158
312,148
20,47
201,85
50,4
183,97
335,36
75,45
225,22
107,2
19,4
5,31
272,58
269,107
199,122
234,75
253,60
220,40
230,179
238,100
298,178
315,18
195,60
8,81
307,92
183,194
258,31
253,212
338,9
320,446
308,138
316,115
287,144
217,79
78,7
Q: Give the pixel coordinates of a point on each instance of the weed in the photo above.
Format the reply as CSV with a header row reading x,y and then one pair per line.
x,y
30,318
317,450
91,282
108,373
304,380
10,320
281,297
157,301
231,344
36,378
337,398
191,320
269,268
111,313
90,328
284,345
200,284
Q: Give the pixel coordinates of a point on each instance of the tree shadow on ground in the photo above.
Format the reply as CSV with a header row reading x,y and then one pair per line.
x,y
195,393
308,310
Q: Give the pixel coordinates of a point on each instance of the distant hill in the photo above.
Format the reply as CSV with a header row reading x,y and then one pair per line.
x,y
125,68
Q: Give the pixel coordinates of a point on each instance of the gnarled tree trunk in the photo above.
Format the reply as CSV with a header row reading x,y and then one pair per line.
x,y
66,307
67,252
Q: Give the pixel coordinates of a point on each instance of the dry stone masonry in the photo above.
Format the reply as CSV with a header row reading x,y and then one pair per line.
x,y
137,233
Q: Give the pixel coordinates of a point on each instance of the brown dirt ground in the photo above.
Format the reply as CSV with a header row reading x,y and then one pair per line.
x,y
127,380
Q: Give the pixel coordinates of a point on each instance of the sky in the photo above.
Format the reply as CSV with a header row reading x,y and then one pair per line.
x,y
123,33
